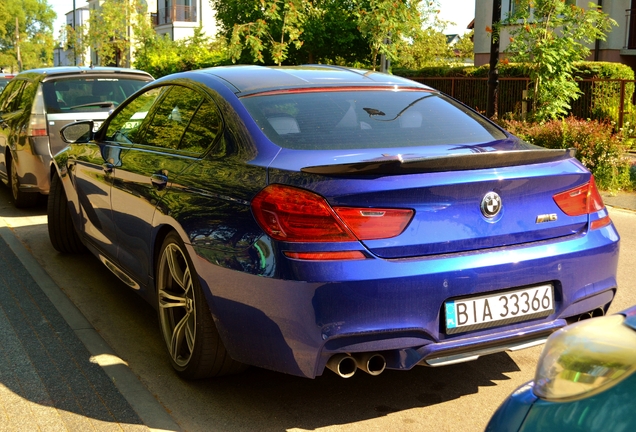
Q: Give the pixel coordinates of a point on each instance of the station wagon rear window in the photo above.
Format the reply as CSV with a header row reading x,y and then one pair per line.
x,y
365,118
86,94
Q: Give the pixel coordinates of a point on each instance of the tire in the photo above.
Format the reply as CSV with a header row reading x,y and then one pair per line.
x,y
62,232
20,199
190,336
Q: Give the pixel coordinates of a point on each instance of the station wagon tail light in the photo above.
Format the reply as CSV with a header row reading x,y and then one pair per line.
x,y
584,199
586,358
296,215
37,122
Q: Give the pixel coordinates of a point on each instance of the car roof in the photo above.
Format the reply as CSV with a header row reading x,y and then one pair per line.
x,y
60,71
255,79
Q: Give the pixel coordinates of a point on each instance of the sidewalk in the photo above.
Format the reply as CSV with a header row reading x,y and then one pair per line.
x,y
56,373
622,200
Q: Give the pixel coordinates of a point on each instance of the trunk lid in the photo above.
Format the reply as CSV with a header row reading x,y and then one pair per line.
x,y
448,203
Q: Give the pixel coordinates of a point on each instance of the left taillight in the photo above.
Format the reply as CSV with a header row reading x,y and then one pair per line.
x,y
581,200
296,215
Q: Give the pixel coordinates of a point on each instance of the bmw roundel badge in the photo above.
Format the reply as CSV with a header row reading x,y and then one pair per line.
x,y
491,205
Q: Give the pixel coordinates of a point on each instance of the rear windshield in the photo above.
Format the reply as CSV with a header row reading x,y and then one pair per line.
x,y
367,119
84,94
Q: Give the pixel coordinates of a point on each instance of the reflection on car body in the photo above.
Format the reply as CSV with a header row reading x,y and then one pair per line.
x,y
311,218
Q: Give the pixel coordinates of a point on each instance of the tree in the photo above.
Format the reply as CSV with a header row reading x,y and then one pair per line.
x,y
287,15
428,47
331,36
35,28
387,25
325,31
465,48
113,28
328,32
550,36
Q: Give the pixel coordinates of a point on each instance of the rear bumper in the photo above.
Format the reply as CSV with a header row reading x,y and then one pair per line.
x,y
294,323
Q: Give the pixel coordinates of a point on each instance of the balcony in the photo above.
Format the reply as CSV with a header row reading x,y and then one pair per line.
x,y
175,13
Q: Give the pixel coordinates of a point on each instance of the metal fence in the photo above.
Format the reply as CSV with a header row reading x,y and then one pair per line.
x,y
601,99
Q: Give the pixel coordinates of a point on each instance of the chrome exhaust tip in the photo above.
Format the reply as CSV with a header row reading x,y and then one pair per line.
x,y
342,365
372,363
598,312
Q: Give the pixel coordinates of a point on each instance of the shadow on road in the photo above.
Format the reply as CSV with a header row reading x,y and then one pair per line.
x,y
283,402
257,399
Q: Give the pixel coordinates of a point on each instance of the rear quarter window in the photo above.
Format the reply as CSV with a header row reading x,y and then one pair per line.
x,y
367,119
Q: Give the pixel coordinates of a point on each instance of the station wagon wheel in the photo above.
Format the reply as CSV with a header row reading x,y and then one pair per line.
x,y
62,232
189,333
20,199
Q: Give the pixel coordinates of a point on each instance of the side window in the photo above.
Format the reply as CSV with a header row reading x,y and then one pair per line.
x,y
203,128
124,127
171,117
9,98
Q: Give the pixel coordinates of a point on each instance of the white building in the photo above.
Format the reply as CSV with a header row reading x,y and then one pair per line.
x,y
620,46
179,18
176,18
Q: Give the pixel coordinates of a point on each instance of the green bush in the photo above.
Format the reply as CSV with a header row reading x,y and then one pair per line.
x,y
597,146
601,70
160,56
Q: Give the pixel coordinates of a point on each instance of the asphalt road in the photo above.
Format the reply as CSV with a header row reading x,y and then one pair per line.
x,y
460,397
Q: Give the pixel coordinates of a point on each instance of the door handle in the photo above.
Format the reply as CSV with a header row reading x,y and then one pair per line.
x,y
159,181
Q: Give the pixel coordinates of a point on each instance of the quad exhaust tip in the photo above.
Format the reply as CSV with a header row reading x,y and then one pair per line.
x,y
371,363
345,365
342,365
598,312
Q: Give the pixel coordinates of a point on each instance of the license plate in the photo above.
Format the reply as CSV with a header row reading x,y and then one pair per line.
x,y
491,310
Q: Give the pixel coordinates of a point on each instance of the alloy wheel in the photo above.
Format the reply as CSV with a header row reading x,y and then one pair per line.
x,y
177,307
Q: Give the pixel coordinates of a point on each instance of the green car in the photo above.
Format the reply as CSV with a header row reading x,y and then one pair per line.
x,y
585,381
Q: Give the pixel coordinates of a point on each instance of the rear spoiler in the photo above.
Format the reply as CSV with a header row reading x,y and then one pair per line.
x,y
462,162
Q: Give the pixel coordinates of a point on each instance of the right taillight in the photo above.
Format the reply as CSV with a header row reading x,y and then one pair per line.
x,y
581,200
297,215
37,122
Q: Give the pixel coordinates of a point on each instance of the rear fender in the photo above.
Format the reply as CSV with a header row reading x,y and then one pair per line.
x,y
60,167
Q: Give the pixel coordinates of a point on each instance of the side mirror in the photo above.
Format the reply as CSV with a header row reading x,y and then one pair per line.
x,y
79,132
